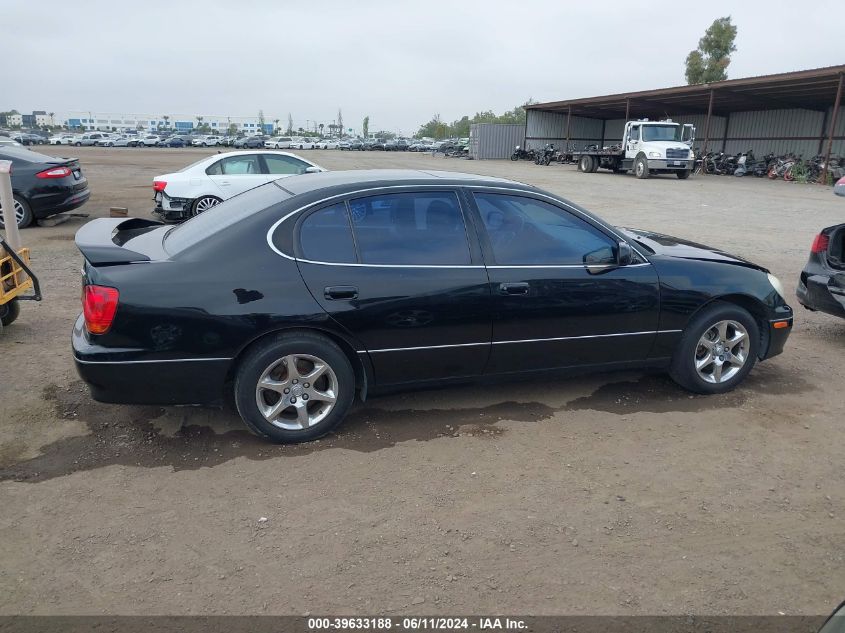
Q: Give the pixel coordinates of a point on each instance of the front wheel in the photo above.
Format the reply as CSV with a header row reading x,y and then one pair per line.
x,y
641,168
683,175
514,156
294,387
9,312
717,350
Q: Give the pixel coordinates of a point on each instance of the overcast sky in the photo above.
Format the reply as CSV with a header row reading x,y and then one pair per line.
x,y
399,61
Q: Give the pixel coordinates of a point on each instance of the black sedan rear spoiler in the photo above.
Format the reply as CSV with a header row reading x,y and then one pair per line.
x,y
100,240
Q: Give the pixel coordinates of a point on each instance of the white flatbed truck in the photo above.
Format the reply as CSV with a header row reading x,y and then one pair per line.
x,y
648,147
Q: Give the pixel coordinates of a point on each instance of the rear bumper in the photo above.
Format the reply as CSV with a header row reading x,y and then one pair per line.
x,y
44,206
128,376
815,293
172,209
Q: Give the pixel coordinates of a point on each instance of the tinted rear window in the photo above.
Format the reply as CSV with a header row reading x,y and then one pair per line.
x,y
21,155
222,216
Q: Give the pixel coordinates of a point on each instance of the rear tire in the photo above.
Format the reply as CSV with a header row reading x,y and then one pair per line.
x,y
269,363
204,203
690,367
9,312
683,175
23,213
641,168
585,164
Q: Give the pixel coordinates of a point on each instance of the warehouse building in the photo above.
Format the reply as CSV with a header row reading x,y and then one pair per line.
x,y
799,112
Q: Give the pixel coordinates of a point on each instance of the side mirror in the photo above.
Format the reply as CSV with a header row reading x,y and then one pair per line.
x,y
312,170
599,260
625,254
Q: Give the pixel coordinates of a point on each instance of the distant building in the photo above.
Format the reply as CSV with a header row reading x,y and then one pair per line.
x,y
151,123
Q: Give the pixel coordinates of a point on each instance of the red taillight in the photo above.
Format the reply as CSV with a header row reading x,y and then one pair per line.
x,y
159,185
820,243
99,303
55,172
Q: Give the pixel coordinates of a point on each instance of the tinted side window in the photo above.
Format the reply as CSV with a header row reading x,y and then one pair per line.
x,y
325,236
235,165
529,232
422,228
634,133
284,165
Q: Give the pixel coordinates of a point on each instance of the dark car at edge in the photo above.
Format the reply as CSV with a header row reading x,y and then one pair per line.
x,y
43,185
821,285
302,294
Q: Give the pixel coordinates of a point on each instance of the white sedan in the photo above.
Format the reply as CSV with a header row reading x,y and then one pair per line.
x,y
278,142
208,182
301,142
327,143
62,139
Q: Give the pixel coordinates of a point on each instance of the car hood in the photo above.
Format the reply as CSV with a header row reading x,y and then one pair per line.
x,y
668,246
664,145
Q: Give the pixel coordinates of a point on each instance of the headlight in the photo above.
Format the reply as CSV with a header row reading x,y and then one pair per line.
x,y
777,285
654,154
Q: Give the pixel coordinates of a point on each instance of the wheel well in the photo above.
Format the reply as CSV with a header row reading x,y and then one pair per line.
x,y
754,307
361,381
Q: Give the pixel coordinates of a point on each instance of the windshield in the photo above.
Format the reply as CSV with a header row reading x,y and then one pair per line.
x,y
661,132
222,216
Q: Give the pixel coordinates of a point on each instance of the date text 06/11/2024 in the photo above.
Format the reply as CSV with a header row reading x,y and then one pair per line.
x,y
416,623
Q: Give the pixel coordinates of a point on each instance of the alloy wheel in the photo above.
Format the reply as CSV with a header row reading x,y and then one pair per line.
x,y
296,392
19,214
204,204
722,351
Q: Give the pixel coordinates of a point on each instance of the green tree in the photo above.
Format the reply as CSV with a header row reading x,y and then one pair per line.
x,y
290,124
366,126
275,126
709,62
166,121
233,130
340,121
261,121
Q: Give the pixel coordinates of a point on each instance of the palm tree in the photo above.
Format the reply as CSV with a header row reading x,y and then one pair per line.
x,y
166,121
275,126
321,129
52,123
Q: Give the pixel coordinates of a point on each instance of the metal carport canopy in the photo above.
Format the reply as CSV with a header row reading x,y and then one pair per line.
x,y
809,89
816,89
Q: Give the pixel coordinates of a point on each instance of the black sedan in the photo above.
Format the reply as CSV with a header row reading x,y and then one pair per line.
x,y
173,141
821,285
302,293
44,185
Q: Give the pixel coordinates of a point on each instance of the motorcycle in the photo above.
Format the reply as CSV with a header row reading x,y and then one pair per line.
x,y
546,155
519,153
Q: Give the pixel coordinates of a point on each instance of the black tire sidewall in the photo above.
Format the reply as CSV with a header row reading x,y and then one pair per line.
x,y
9,312
683,370
27,213
272,349
644,162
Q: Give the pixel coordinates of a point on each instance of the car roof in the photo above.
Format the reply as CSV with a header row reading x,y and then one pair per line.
x,y
354,178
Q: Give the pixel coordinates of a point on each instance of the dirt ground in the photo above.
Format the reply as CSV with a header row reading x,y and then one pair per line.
x,y
611,494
